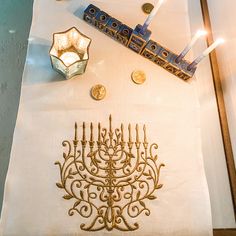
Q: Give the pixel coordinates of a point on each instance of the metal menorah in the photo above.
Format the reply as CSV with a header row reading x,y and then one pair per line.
x,y
110,180
139,42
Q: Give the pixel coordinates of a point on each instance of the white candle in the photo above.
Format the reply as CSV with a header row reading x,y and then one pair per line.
x,y
213,46
206,52
152,15
69,58
199,34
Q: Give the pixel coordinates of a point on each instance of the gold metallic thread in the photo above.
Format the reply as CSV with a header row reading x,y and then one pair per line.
x,y
109,181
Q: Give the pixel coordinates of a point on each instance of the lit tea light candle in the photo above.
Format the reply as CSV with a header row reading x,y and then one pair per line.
x,y
151,16
206,53
72,48
69,58
198,35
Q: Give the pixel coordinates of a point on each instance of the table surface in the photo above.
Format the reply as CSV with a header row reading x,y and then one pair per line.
x,y
15,21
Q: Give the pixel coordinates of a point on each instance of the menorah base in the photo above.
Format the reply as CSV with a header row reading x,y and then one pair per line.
x,y
138,42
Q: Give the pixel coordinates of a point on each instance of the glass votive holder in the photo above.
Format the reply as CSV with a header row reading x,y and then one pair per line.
x,y
70,52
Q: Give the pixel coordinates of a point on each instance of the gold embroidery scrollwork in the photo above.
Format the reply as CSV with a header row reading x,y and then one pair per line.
x,y
110,179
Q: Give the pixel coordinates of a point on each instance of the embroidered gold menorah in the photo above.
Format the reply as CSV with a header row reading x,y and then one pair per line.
x,y
110,180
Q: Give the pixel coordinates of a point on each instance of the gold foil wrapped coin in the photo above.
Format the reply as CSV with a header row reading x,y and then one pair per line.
x,y
138,77
98,92
147,8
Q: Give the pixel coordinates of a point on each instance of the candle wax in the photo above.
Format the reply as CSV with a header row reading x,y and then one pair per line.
x,y
69,58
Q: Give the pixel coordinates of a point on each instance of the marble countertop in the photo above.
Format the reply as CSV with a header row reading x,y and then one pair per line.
x,y
15,21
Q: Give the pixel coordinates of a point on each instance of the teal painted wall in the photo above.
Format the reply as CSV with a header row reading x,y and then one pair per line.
x,y
15,21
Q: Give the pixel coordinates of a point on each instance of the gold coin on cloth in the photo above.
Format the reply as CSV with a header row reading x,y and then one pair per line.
x,y
138,77
147,8
98,92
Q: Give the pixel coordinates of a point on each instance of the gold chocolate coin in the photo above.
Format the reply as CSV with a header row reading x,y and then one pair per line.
x,y
138,77
147,8
98,92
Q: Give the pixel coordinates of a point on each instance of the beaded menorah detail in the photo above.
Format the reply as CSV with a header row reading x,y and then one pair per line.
x,y
109,180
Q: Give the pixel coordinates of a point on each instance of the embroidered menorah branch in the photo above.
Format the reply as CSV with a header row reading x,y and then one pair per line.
x,y
109,180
